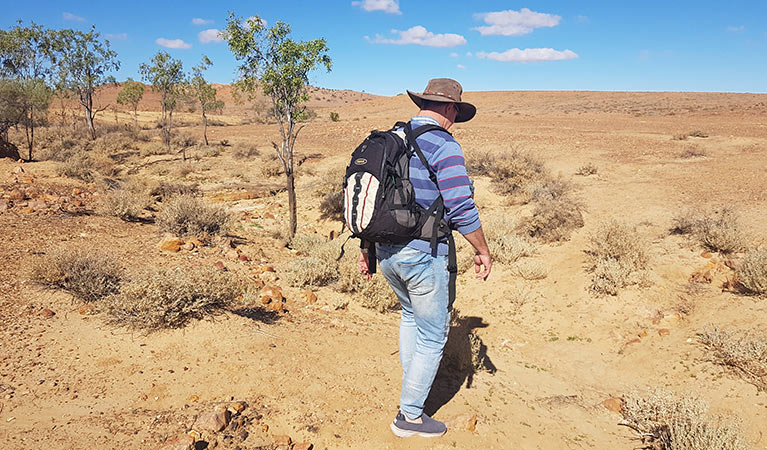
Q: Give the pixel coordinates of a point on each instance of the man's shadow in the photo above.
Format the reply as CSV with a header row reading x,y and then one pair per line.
x,y
464,355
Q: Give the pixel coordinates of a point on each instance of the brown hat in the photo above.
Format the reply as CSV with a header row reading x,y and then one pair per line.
x,y
447,91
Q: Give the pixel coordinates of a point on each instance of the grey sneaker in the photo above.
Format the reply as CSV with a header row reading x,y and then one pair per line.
x,y
429,427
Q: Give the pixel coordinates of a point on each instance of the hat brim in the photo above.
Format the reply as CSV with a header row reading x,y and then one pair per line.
x,y
466,111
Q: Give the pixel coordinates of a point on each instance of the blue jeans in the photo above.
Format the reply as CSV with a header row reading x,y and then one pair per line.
x,y
421,283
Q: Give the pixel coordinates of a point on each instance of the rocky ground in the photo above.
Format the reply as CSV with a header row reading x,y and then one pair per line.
x,y
315,368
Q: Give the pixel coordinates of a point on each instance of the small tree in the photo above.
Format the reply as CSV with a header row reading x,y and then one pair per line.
x,y
11,107
166,75
204,94
279,66
84,62
26,56
131,95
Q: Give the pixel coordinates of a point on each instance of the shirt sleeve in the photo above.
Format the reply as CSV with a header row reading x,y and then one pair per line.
x,y
456,187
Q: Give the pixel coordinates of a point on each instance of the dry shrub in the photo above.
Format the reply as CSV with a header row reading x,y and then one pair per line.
x,y
332,206
554,219
480,163
154,148
531,270
587,169
127,202
310,271
207,151
548,188
617,256
512,171
189,215
505,246
669,422
163,191
684,136
752,271
270,165
77,166
114,143
86,273
464,350
721,233
245,151
184,140
692,152
170,298
374,294
744,355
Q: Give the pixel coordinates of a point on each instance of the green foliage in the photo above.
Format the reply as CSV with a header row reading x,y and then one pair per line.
x,y
11,106
130,95
204,94
166,75
334,117
84,62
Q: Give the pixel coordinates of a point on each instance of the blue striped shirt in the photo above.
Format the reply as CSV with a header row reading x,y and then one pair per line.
x,y
445,156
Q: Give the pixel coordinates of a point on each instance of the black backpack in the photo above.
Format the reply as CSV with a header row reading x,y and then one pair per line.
x,y
379,201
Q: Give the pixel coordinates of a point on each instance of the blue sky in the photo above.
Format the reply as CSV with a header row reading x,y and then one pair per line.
x,y
387,46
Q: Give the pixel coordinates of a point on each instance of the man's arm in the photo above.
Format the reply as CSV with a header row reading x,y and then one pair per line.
x,y
482,253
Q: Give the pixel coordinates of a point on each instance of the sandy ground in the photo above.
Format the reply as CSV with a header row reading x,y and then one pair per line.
x,y
330,377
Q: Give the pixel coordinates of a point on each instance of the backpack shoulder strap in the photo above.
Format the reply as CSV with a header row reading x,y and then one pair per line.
x,y
411,139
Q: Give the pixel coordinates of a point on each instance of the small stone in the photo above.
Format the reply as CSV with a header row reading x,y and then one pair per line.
x,y
309,296
188,246
236,407
171,245
664,332
642,333
78,203
183,442
702,276
277,307
232,255
214,421
466,422
268,216
706,254
273,292
193,399
633,341
196,242
264,268
614,404
265,299
243,258
264,428
18,169
282,440
76,191
17,195
47,313
220,265
268,277
303,446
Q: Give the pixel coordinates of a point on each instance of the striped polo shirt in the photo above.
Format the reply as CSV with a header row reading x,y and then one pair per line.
x,y
445,156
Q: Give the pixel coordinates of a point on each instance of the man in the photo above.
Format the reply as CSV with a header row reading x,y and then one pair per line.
x,y
418,278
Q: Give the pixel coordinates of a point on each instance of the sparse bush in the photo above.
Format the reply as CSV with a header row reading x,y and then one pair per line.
x,y
669,422
745,355
184,140
480,163
617,256
752,271
374,294
170,298
723,233
332,206
77,166
270,165
553,219
334,117
685,223
310,271
86,273
587,169
208,151
127,203
505,246
163,190
531,270
244,151
684,136
549,188
692,152
513,170
153,148
190,215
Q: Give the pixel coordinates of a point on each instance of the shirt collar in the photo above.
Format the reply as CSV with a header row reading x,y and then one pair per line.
x,y
424,120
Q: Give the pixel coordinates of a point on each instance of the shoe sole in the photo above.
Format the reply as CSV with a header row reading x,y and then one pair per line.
x,y
399,432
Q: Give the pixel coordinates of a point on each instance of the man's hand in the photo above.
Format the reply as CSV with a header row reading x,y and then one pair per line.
x,y
479,262
364,264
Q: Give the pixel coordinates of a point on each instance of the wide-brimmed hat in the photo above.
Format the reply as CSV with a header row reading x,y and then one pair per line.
x,y
445,90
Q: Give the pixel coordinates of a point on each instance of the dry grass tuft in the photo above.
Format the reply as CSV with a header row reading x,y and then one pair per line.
x,y
245,151
310,271
721,233
554,219
332,206
171,298
752,272
189,215
587,169
374,294
692,152
531,270
464,350
86,273
505,246
512,171
270,165
127,202
617,257
669,422
744,355
77,166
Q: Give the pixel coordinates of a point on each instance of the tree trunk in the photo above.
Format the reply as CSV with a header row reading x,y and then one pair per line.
x,y
205,127
30,129
292,202
168,127
91,128
135,117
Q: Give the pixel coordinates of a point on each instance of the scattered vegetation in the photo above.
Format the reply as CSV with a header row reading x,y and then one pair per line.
x,y
505,246
554,219
752,271
334,117
617,257
245,151
722,233
270,165
127,202
684,136
170,298
77,166
85,272
668,422
164,191
692,152
464,351
531,270
332,205
587,169
744,355
185,215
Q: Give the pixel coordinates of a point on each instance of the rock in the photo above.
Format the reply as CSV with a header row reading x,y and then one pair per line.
x,y
282,440
303,446
265,299
664,332
236,407
277,307
614,404
18,169
264,268
268,216
193,399
87,310
188,246
633,341
220,266
37,204
232,255
47,313
183,442
213,421
273,292
642,334
706,254
268,277
17,195
3,206
243,258
702,276
466,422
196,242
171,245
309,296
76,191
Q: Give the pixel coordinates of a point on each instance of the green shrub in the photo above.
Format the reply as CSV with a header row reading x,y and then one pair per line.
x,y
189,215
752,272
171,298
334,117
86,273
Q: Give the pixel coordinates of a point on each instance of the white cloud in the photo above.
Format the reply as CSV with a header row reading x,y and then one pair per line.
x,y
173,43
210,35
461,66
72,18
454,55
469,54
199,21
419,35
515,23
388,6
117,36
739,29
529,55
